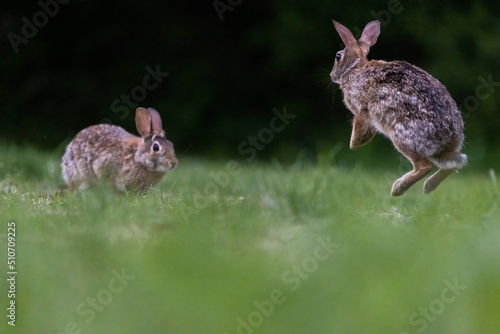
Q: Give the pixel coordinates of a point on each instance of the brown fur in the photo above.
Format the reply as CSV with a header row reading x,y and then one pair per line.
x,y
403,102
108,152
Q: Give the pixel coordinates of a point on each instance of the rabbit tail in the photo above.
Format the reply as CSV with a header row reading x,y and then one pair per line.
x,y
450,160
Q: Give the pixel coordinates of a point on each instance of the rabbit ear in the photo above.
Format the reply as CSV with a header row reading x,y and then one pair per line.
x,y
155,119
345,34
369,36
143,122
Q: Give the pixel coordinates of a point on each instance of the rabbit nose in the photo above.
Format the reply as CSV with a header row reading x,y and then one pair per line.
x,y
173,164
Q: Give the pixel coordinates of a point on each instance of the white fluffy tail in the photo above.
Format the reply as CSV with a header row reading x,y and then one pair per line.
x,y
454,160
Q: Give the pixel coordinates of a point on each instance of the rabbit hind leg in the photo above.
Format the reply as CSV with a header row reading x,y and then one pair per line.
x,y
421,167
435,179
447,163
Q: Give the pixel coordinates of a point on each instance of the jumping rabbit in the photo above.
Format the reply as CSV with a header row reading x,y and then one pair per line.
x,y
403,102
108,152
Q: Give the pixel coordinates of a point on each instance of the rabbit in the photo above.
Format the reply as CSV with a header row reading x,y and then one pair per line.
x,y
107,152
403,102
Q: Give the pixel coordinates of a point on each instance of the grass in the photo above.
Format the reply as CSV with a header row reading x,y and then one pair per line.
x,y
245,255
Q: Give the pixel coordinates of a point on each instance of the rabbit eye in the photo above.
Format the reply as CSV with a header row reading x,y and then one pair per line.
x,y
338,57
156,147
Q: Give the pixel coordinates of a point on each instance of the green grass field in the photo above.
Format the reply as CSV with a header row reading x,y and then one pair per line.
x,y
253,248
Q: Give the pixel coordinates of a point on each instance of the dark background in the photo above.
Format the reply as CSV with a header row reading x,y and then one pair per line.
x,y
226,77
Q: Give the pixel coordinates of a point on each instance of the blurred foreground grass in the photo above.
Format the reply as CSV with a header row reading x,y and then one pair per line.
x,y
267,249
